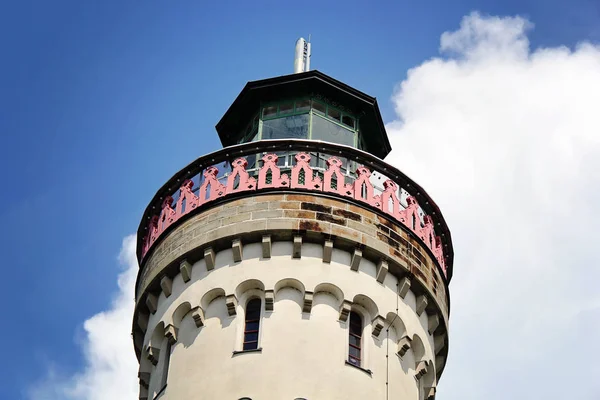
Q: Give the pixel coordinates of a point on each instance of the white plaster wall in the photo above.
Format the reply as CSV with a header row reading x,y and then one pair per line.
x,y
303,355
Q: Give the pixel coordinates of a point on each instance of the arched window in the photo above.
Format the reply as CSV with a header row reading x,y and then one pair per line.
x,y
355,336
252,325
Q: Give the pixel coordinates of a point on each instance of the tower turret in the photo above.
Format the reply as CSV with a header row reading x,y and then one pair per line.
x,y
293,263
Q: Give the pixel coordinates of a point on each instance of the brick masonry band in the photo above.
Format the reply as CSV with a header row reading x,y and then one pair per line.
x,y
282,215
302,177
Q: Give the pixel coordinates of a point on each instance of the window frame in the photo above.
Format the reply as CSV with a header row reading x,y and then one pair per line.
x,y
246,321
360,347
325,115
311,111
252,129
282,114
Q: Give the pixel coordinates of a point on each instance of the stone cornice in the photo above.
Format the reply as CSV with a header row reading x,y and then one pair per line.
x,y
375,251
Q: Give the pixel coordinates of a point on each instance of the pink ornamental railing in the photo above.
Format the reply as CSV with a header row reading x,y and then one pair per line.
x,y
302,177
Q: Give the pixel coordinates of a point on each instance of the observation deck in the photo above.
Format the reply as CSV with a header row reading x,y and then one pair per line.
x,y
286,165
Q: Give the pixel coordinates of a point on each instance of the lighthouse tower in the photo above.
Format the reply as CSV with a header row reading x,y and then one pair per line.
x,y
293,263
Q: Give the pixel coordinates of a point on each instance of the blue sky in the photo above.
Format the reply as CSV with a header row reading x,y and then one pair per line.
x,y
102,102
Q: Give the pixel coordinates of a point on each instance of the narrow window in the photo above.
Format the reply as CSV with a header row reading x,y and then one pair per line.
x,y
286,108
252,325
269,111
355,332
334,114
302,105
319,107
348,121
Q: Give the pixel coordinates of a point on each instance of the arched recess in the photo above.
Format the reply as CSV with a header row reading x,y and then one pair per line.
x,y
289,283
429,379
394,321
156,338
331,289
179,313
288,291
418,348
368,304
246,286
210,296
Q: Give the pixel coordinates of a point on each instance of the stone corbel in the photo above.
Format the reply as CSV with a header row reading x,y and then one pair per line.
x,y
382,270
430,393
185,268
236,247
421,304
433,323
297,251
439,342
378,323
142,321
327,251
144,379
440,361
356,257
231,303
166,284
153,354
266,246
151,302
404,345
269,300
345,310
209,258
404,287
198,316
143,393
171,334
308,300
420,369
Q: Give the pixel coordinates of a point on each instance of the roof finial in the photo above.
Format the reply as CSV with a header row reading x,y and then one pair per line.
x,y
302,58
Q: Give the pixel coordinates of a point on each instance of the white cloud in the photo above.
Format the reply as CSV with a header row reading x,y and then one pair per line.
x,y
507,142
110,364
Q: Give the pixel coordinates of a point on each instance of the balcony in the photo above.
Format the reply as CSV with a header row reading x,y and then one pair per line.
x,y
297,166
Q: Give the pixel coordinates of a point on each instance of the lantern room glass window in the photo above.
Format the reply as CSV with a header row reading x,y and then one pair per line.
x,y
291,127
305,118
329,131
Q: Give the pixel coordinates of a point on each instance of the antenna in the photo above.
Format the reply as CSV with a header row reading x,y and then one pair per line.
x,y
302,56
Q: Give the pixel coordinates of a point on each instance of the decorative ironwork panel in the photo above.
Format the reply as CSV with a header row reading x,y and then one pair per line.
x,y
303,177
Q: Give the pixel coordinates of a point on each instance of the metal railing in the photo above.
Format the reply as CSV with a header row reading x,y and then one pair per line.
x,y
302,165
